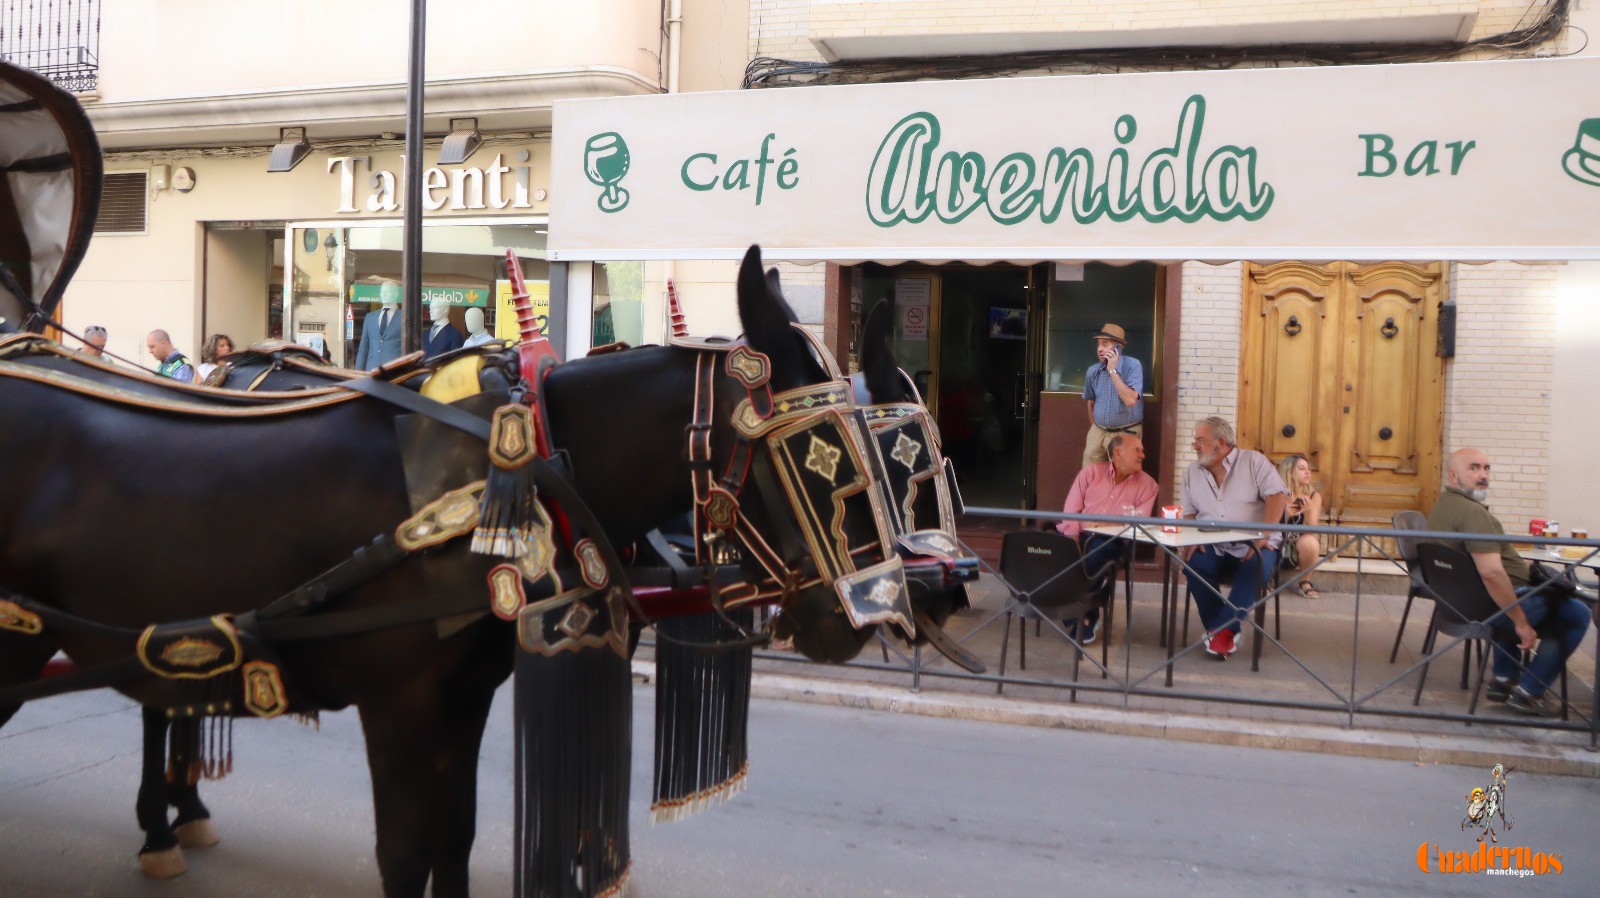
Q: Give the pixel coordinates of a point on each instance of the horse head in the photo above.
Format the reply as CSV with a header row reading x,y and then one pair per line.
x,y
804,477
919,487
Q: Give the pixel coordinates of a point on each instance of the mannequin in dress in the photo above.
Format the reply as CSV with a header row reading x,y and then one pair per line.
x,y
381,330
476,334
441,336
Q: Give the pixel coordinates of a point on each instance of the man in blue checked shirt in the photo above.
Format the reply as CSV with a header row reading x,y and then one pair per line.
x,y
1114,389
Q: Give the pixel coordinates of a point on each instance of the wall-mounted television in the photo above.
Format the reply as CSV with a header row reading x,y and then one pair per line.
x,y
1008,324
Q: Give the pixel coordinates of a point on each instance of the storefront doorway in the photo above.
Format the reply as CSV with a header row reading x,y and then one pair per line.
x,y
964,335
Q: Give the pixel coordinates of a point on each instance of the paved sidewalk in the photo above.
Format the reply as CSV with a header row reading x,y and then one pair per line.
x,y
1321,634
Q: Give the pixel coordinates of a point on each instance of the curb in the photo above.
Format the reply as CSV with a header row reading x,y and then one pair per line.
x,y
1527,757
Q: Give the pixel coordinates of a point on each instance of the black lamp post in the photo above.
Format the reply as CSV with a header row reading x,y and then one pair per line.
x,y
331,244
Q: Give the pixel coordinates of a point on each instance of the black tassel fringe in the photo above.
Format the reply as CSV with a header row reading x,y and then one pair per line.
x,y
574,724
702,713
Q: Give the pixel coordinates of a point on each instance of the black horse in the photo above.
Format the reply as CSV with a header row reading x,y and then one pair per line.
x,y
100,518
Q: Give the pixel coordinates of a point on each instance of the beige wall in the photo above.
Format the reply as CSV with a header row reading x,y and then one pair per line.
x,y
133,283
182,48
715,34
1573,495
786,28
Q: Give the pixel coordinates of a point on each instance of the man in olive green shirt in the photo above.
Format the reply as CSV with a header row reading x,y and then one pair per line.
x,y
1557,625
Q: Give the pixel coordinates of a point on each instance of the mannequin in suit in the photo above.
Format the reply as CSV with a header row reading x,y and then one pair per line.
x,y
476,334
381,330
441,336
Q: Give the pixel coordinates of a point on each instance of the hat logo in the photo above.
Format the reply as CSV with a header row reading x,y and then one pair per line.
x,y
1582,162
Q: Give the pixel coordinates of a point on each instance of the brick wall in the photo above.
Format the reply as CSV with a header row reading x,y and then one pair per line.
x,y
1208,350
1497,388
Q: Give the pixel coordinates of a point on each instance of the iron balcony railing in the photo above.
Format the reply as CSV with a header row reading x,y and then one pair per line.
x,y
59,39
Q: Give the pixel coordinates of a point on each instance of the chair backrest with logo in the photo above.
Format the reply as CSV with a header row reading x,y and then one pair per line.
x,y
1029,559
1452,575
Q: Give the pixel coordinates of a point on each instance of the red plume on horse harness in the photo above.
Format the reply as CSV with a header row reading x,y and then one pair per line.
x,y
512,519
679,325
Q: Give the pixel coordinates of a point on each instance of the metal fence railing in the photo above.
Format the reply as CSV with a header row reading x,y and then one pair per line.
x,y
1347,653
59,39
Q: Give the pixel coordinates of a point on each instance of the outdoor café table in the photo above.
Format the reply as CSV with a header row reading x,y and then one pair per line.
x,y
1591,561
1186,537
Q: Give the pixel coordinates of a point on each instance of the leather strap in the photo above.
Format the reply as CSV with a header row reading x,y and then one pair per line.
x,y
413,401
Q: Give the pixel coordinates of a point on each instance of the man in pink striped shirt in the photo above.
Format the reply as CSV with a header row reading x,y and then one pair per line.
x,y
1118,487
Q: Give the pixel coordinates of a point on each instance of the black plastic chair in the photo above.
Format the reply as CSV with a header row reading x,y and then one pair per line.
x,y
1408,520
1461,608
1047,581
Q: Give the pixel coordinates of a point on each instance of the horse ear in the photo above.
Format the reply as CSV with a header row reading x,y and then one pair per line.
x,y
775,287
763,313
877,355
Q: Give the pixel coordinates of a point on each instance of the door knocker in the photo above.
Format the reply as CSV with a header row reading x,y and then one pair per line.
x,y
1292,327
1389,329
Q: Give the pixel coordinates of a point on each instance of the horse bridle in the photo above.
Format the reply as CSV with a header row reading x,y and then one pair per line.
x,y
807,449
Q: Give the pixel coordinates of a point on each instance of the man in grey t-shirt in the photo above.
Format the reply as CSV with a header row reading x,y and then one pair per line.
x,y
1226,483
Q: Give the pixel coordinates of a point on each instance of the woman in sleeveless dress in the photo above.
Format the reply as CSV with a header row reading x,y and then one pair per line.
x,y
1301,551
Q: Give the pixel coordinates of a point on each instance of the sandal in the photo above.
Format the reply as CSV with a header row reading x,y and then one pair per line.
x,y
1309,590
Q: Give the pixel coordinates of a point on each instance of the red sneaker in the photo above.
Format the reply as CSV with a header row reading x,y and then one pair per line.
x,y
1221,644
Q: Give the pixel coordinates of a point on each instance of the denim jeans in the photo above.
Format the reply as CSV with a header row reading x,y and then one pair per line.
x,y
1209,567
1097,550
1561,625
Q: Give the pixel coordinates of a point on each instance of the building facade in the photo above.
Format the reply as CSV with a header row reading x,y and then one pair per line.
x,y
1377,413
200,238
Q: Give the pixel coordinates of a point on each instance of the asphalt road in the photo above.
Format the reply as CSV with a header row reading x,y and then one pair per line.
x,y
840,803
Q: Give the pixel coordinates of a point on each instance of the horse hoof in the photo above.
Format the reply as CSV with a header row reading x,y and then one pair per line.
x,y
201,833
163,864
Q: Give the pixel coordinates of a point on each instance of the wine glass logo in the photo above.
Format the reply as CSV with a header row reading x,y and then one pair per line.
x,y
605,162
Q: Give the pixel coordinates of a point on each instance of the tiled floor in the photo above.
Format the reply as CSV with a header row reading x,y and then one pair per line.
x,y
1322,634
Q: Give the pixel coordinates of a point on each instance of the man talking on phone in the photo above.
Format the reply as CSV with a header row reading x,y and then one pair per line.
x,y
1114,389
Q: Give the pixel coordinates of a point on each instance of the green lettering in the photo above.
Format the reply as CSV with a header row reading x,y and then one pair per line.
x,y
1421,158
1458,152
788,172
691,183
1378,149
737,175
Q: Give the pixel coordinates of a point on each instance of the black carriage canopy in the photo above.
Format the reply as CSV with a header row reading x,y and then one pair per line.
x,y
49,195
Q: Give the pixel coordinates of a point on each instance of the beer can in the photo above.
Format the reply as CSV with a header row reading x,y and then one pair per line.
x,y
1171,513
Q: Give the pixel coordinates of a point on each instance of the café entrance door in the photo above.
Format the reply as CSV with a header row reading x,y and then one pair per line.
x,y
968,337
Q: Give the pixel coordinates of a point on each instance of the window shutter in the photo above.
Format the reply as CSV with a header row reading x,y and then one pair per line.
x,y
122,204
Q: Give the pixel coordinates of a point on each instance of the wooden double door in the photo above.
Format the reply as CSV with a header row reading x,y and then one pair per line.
x,y
1339,364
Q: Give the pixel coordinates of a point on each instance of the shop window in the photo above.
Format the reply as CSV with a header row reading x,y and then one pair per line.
x,y
1115,294
618,303
337,276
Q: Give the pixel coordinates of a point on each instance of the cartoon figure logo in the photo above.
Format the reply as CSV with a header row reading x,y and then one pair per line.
x,y
605,161
1483,805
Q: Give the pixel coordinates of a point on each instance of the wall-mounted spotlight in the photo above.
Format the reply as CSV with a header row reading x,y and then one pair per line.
x,y
462,141
289,150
